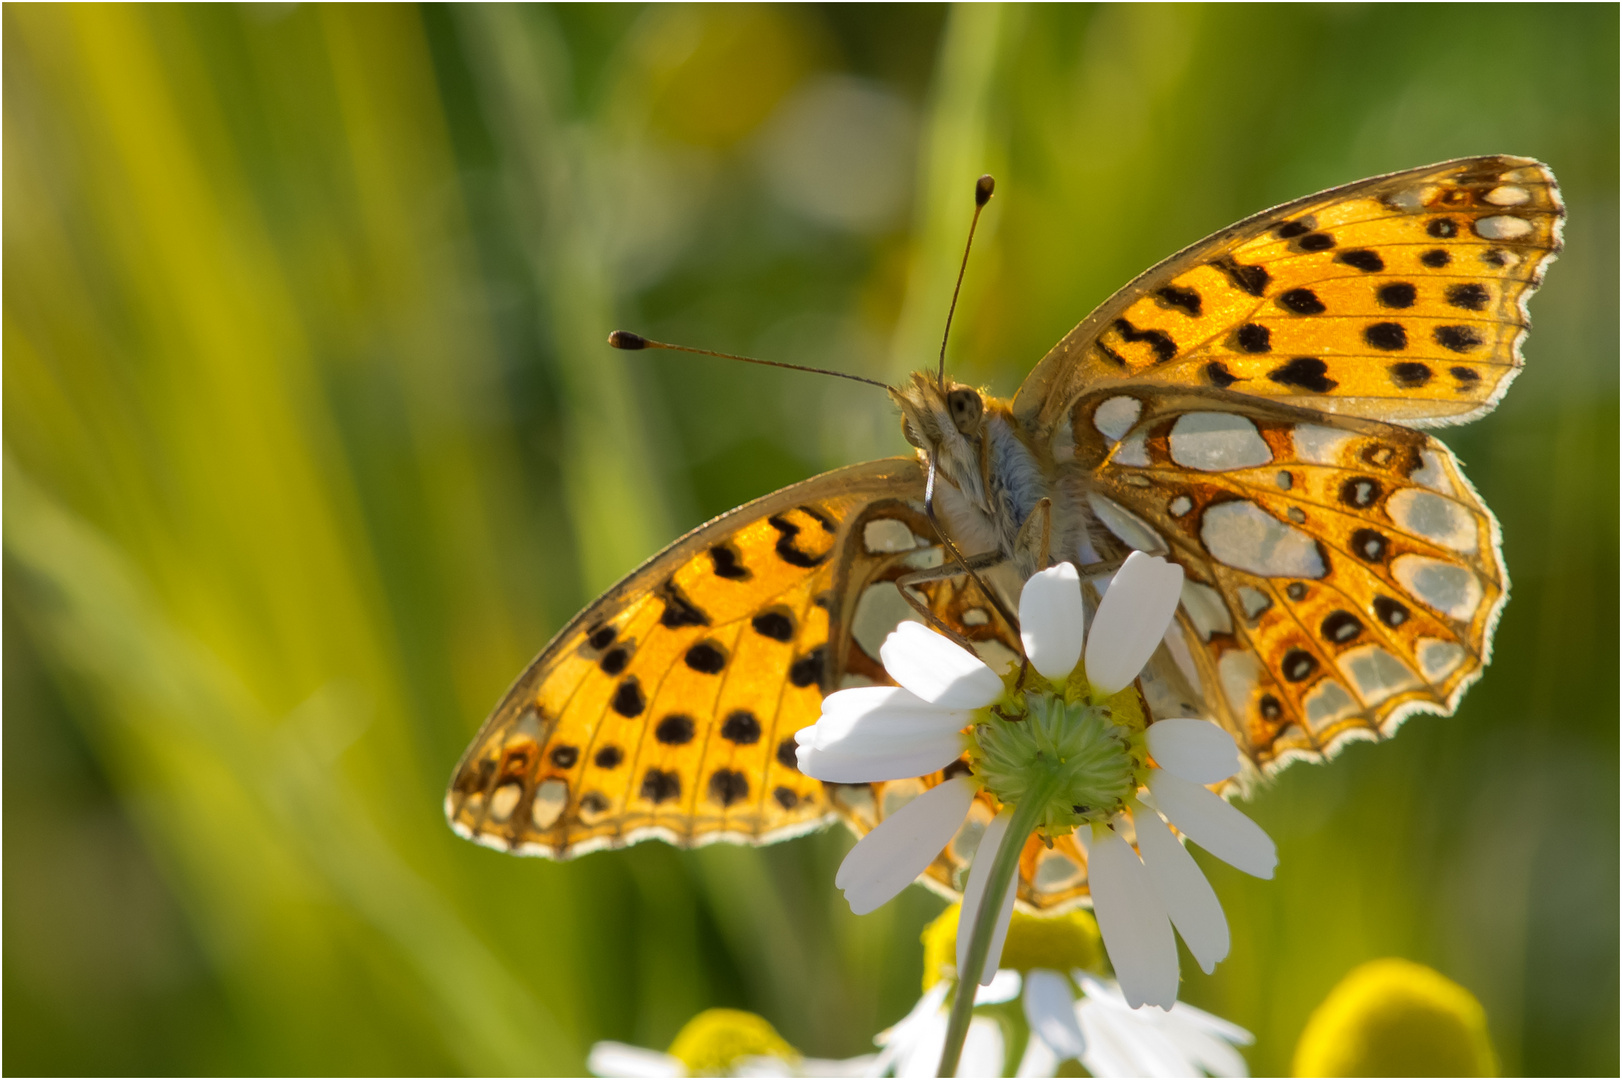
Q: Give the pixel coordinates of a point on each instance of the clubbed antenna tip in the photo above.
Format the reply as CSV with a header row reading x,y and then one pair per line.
x,y
983,188
624,339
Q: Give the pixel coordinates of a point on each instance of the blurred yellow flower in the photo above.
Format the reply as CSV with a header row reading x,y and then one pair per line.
x,y
1396,1018
713,1041
1059,942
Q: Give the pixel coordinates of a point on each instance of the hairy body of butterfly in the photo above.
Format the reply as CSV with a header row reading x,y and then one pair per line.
x,y
1235,408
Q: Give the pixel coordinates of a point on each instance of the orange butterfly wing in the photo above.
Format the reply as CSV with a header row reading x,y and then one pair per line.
x,y
668,707
1398,298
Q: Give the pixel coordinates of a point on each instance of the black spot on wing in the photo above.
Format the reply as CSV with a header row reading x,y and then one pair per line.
x,y
706,658
660,786
1249,279
1302,302
1369,545
1219,375
1305,373
786,549
1457,338
1390,612
741,727
675,730
807,670
724,558
1362,259
728,786
1470,296
628,699
1254,338
1164,347
1185,300
564,757
1409,375
1298,664
1389,336
774,624
786,754
1442,228
1315,242
1435,258
1340,627
679,611
1398,294
609,757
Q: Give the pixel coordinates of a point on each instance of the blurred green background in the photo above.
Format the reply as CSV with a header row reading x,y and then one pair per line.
x,y
312,441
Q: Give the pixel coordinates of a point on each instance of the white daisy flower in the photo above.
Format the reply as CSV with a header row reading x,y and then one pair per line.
x,y
913,1046
1064,748
1111,1038
1053,965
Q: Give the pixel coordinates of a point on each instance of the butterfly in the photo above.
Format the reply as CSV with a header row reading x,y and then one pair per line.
x,y
1250,408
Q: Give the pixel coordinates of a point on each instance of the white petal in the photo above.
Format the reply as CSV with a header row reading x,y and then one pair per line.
x,y
1133,922
843,767
1004,986
1213,824
1215,1026
1203,1049
982,1049
879,733
877,712
891,857
1038,1059
925,1021
1050,1010
619,1059
863,1065
1131,620
1190,901
1196,750
974,895
1125,1043
1052,621
922,1055
939,671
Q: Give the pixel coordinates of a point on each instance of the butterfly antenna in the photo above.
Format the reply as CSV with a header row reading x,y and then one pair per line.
x,y
624,339
983,188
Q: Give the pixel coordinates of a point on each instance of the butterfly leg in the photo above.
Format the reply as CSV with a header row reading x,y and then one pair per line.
x,y
1033,546
953,550
920,603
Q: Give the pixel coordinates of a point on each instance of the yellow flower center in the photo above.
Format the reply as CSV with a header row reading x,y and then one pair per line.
x,y
1059,942
713,1041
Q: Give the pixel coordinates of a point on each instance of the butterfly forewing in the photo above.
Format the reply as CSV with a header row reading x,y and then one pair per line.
x,y
668,708
1400,298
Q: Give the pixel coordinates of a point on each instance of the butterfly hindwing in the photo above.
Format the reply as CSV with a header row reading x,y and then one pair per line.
x,y
668,707
1400,298
1341,573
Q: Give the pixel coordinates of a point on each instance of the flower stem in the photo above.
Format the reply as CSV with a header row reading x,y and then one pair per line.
x,y
1005,863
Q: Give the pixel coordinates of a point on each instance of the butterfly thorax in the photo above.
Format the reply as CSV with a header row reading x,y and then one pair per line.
x,y
990,474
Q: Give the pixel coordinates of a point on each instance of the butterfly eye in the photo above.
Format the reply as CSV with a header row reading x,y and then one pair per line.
x,y
966,407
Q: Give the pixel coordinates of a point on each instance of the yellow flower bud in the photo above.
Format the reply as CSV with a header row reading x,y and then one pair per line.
x,y
1396,1018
